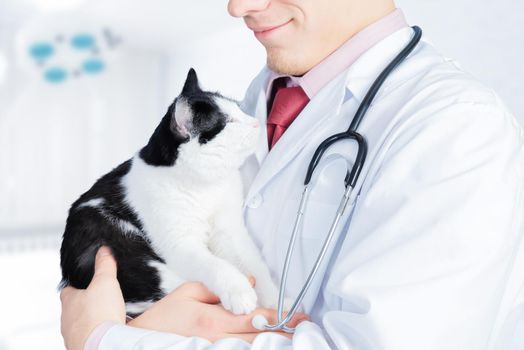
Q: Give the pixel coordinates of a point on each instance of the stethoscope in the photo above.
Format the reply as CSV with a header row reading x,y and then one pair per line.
x,y
350,181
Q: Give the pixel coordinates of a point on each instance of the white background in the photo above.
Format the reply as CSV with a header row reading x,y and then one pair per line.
x,y
486,37
55,140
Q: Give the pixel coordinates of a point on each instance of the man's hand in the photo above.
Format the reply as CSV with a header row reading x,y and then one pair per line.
x,y
83,310
192,310
189,310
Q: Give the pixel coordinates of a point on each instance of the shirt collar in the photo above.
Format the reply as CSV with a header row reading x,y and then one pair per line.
x,y
342,58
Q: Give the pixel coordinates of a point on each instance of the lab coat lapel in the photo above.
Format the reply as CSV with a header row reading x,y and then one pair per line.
x,y
261,115
304,128
254,104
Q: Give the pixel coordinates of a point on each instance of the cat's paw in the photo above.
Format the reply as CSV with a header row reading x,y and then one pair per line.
x,y
239,298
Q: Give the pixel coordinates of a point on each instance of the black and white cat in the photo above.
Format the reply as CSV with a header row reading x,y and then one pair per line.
x,y
174,211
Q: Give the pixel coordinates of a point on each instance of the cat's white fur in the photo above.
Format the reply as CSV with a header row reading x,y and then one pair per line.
x,y
93,203
192,213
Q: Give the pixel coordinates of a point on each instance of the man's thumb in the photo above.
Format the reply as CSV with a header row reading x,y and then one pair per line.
x,y
105,263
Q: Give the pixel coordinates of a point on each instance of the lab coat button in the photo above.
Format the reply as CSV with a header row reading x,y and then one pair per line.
x,y
255,202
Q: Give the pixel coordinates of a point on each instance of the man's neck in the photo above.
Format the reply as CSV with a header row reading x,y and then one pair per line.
x,y
344,56
361,19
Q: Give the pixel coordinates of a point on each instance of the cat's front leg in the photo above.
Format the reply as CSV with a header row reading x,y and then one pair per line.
x,y
193,261
267,290
231,241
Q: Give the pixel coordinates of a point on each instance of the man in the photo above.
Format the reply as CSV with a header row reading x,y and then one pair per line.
x,y
430,254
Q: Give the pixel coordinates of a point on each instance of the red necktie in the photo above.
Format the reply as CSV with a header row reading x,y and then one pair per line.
x,y
287,104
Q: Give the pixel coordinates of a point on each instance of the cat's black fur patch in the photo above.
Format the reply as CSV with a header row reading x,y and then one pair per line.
x,y
90,226
208,120
162,148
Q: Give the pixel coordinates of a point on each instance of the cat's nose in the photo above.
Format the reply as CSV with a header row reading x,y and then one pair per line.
x,y
255,123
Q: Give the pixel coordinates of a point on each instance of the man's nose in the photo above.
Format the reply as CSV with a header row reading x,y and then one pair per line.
x,y
240,8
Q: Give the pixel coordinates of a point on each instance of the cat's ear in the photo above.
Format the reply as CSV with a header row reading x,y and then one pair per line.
x,y
191,85
181,118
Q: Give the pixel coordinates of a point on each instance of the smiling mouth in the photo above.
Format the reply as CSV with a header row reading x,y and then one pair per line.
x,y
264,31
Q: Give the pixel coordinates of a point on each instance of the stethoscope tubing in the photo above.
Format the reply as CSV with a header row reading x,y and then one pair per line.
x,y
350,182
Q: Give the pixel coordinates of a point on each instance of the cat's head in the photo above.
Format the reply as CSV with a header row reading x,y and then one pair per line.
x,y
203,129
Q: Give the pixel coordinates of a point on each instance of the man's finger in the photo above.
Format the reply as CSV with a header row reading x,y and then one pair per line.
x,y
252,280
196,291
105,263
250,337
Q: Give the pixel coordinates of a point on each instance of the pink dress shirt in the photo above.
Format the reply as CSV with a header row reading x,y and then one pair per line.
x,y
312,82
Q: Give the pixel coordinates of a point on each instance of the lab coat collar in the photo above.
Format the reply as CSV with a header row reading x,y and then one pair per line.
x,y
255,104
362,74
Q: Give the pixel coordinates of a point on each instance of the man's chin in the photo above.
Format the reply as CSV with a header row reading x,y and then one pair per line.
x,y
281,63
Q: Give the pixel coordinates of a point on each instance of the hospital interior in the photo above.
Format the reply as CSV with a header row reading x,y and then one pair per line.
x,y
83,83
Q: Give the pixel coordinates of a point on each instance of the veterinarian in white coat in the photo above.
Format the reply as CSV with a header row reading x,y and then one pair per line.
x,y
430,255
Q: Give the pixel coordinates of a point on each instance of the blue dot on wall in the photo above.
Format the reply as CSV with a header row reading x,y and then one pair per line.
x,y
41,50
55,75
82,41
93,66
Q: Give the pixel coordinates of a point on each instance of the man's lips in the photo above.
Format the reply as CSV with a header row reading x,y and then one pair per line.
x,y
264,30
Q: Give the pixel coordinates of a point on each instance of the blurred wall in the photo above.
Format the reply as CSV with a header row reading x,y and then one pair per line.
x,y
485,37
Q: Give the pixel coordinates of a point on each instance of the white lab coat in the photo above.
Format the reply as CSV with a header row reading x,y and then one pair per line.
x,y
431,254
